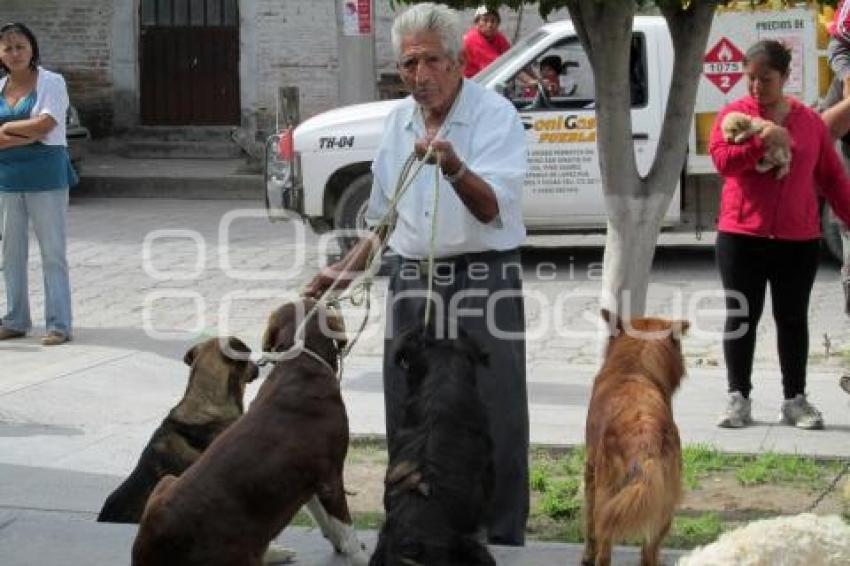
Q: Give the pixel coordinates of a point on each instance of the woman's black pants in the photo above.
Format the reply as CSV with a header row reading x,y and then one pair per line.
x,y
747,264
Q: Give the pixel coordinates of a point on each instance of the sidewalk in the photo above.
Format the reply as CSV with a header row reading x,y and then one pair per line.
x,y
116,396
109,175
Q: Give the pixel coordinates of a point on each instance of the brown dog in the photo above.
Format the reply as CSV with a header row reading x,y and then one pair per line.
x,y
287,450
634,461
211,403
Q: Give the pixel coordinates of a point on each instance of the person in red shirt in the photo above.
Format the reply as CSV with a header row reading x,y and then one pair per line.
x,y
483,43
768,231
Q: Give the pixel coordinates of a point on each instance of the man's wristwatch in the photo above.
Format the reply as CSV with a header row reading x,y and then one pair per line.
x,y
457,175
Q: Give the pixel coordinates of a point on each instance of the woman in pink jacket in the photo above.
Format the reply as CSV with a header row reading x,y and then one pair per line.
x,y
769,231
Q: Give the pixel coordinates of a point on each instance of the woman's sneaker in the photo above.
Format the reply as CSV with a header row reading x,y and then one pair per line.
x,y
800,413
54,338
738,413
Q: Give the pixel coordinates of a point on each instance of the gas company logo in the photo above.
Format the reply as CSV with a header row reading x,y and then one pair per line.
x,y
568,128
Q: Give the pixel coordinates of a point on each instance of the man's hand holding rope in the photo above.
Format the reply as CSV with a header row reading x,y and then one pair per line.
x,y
339,275
474,191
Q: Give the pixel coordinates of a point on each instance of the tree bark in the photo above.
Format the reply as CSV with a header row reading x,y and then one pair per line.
x,y
635,204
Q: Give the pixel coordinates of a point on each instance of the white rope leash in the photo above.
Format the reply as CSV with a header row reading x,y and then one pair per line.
x,y
432,243
361,291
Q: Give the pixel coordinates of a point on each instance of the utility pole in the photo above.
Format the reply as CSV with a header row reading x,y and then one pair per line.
x,y
356,44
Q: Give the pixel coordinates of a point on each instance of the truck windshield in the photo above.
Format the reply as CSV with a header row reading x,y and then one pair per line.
x,y
507,58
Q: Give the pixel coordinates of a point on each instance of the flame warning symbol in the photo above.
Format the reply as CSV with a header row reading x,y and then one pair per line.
x,y
724,65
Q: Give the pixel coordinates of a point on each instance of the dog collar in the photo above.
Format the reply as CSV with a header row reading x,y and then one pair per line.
x,y
319,359
273,357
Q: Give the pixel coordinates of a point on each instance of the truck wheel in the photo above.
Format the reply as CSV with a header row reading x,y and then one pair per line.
x,y
350,213
832,233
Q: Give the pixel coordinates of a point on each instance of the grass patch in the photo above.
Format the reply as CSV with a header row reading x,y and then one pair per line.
x,y
782,469
563,499
557,489
688,532
362,520
700,460
558,481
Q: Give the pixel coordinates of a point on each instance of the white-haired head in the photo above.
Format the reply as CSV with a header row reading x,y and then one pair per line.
x,y
429,17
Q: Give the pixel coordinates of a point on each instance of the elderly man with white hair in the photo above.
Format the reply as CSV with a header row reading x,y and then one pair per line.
x,y
475,237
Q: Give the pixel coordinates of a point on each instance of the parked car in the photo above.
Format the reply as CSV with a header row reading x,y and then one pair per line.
x,y
78,137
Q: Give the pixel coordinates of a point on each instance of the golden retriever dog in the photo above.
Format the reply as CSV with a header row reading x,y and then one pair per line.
x,y
634,461
738,127
286,451
211,403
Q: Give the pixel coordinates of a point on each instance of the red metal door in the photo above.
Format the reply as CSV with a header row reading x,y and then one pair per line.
x,y
189,53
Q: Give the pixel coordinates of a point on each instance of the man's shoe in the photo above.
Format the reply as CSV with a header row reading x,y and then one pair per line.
x,y
844,382
738,413
8,333
800,413
54,338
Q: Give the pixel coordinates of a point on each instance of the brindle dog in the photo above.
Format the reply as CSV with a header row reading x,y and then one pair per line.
x,y
212,402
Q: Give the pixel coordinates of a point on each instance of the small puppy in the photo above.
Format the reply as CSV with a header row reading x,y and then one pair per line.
x,y
211,403
439,480
287,450
738,127
634,462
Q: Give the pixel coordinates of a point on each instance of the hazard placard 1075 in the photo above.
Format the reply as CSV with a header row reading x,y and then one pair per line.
x,y
724,65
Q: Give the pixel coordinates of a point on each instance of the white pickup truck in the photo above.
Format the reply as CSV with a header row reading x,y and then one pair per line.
x,y
321,168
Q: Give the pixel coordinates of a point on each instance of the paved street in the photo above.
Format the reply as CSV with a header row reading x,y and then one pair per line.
x,y
150,277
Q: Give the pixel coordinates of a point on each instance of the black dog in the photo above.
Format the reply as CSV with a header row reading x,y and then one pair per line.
x,y
440,477
212,402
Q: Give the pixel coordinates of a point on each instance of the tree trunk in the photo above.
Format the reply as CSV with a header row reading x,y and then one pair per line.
x,y
636,205
633,225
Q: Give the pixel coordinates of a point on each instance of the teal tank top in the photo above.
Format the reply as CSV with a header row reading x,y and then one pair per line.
x,y
33,167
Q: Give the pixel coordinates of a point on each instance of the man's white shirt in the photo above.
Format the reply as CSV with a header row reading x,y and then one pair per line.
x,y
487,135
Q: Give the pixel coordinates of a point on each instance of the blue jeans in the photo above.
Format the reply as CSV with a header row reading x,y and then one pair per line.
x,y
46,210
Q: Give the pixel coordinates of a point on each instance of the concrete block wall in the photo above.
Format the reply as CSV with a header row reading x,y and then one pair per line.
x,y
74,39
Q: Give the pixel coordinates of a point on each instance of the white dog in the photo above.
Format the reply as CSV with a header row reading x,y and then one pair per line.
x,y
738,127
799,540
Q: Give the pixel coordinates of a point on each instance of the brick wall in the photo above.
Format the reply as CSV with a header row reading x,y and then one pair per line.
x,y
294,43
74,39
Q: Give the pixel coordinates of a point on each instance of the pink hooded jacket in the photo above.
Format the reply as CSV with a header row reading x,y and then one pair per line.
x,y
758,204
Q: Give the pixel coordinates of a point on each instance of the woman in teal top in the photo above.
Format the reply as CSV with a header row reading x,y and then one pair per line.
x,y
35,173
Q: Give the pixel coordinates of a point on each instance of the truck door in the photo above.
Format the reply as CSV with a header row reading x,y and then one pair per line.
x,y
563,188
